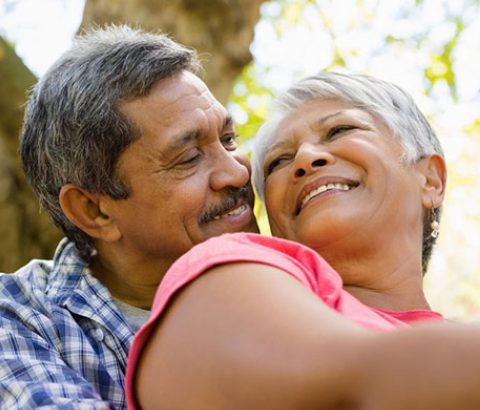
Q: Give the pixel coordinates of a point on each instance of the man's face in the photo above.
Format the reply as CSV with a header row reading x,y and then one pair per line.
x,y
188,181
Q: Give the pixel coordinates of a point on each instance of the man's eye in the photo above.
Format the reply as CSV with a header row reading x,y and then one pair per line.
x,y
191,160
229,141
335,131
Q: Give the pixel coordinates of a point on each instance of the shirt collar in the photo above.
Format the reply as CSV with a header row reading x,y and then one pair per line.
x,y
67,271
72,285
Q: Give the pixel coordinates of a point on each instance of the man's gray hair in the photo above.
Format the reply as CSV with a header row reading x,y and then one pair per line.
x,y
74,130
386,101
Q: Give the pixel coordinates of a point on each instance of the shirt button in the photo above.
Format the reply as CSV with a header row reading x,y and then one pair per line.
x,y
99,334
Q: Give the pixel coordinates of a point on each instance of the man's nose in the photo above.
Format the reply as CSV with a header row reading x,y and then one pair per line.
x,y
228,171
310,158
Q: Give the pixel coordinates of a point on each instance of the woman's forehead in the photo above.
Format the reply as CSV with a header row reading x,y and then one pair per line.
x,y
315,114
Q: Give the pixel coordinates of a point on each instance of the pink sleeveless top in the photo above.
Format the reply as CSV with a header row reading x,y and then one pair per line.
x,y
297,260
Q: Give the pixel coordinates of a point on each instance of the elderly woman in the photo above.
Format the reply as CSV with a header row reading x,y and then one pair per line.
x,y
350,169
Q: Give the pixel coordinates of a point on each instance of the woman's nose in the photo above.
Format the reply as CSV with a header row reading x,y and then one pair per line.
x,y
309,158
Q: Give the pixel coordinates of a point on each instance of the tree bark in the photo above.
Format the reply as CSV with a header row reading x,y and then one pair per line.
x,y
220,30
25,233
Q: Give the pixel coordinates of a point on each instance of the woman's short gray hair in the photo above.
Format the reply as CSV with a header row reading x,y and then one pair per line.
x,y
74,130
386,101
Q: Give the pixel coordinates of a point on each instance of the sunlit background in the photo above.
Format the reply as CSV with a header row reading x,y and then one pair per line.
x,y
429,47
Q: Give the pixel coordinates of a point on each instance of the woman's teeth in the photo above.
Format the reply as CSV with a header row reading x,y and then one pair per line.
x,y
322,189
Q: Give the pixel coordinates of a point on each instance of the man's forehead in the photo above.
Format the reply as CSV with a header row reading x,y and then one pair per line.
x,y
171,97
178,110
172,88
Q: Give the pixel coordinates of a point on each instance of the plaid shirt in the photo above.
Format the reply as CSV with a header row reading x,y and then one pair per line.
x,y
63,342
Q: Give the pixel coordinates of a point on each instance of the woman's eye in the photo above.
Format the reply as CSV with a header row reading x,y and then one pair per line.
x,y
274,164
335,131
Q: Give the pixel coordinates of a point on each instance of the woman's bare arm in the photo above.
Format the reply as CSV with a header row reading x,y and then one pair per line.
x,y
250,336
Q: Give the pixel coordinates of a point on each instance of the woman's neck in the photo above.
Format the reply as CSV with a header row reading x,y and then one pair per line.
x,y
391,282
396,300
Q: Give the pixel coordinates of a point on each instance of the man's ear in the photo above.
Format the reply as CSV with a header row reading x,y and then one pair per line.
x,y
434,179
89,212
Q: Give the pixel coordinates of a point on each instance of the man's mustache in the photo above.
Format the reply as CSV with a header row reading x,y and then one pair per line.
x,y
231,197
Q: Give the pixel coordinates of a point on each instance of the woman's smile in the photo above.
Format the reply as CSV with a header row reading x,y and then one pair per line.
x,y
321,188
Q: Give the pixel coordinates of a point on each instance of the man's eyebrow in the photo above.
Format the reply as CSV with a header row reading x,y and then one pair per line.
x,y
180,141
228,121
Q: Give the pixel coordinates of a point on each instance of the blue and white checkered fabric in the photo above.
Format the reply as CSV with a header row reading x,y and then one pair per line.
x,y
63,342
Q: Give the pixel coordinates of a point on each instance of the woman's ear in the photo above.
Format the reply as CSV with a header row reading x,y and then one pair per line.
x,y
434,172
89,212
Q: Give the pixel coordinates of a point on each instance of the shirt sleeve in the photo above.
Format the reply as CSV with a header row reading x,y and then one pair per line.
x,y
33,374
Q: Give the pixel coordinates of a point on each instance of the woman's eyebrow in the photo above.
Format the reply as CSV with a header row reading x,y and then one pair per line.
x,y
279,144
317,124
321,122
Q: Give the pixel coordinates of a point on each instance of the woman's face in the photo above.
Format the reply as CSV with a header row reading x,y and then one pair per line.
x,y
334,176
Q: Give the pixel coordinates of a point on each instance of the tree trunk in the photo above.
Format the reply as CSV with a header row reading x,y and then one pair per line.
x,y
25,233
220,30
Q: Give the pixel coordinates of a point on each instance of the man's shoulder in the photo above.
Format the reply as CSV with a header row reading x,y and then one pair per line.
x,y
41,280
34,275
39,272
39,296
23,295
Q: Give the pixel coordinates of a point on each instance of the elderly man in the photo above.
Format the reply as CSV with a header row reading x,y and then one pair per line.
x,y
136,162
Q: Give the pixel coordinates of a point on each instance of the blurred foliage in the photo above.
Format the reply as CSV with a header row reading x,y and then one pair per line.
x,y
375,37
249,86
473,129
249,101
441,65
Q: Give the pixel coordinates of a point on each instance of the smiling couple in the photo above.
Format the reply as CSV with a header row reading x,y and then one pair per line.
x,y
136,162
330,312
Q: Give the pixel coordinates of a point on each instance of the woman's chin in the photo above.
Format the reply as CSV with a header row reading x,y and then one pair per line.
x,y
339,233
